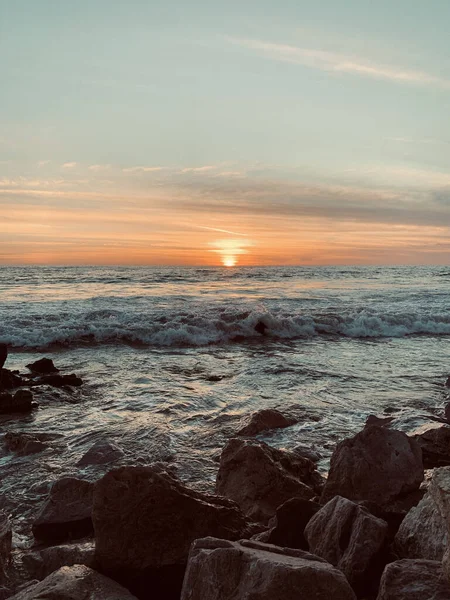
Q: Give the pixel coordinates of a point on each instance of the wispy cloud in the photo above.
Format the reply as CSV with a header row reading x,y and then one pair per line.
x,y
203,169
69,165
339,63
142,169
42,163
98,168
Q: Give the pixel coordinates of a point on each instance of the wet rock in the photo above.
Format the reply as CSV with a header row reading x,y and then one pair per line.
x,y
61,380
308,452
145,521
3,355
381,421
447,411
20,402
27,443
41,563
260,478
221,570
101,453
447,383
10,380
260,327
350,538
435,445
5,543
263,420
377,464
75,583
288,526
413,580
66,514
43,366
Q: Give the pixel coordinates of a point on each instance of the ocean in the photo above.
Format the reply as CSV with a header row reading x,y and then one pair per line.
x,y
172,362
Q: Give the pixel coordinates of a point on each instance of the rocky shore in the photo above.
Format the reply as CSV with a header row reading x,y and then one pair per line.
x,y
377,528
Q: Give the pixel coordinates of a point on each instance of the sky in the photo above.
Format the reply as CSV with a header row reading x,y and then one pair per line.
x,y
246,132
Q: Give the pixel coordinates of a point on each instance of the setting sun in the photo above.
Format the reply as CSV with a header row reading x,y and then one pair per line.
x,y
230,249
229,261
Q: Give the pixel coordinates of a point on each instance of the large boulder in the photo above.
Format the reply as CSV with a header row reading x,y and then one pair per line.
x,y
222,570
44,366
262,420
101,453
5,543
75,583
20,402
288,525
3,355
350,538
40,563
10,380
145,521
413,580
261,478
377,464
435,445
66,514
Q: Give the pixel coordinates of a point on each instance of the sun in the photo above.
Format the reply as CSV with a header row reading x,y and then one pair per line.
x,y
230,250
229,261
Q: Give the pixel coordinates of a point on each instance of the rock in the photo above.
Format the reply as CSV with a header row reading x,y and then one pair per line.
x,y
447,383
3,355
261,478
435,445
101,453
350,538
40,563
75,583
288,527
222,570
44,366
66,514
10,380
5,543
260,327
60,380
265,419
377,464
413,580
381,421
447,409
27,443
21,402
307,452
145,521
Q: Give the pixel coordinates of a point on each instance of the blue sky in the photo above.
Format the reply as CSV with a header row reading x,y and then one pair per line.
x,y
226,114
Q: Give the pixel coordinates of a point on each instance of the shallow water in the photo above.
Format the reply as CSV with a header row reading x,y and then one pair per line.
x,y
171,360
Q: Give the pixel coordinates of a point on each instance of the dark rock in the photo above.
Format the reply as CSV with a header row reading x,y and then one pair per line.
x,y
41,563
3,355
307,452
44,366
447,411
75,583
377,464
61,380
288,526
10,380
244,570
447,383
145,521
21,402
413,580
261,478
66,514
350,538
265,419
27,443
101,453
435,445
5,543
381,421
260,327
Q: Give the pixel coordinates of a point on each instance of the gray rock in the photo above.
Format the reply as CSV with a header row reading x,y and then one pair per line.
x,y
41,563
377,464
349,537
261,478
66,514
221,570
101,453
413,580
288,525
75,583
435,445
262,420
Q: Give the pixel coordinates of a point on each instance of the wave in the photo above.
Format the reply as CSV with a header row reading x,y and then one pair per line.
x,y
210,326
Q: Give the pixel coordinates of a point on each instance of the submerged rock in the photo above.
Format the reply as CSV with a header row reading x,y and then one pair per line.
x,y
413,580
61,380
5,543
261,478
377,464
41,563
288,525
145,521
66,514
27,443
435,445
350,538
263,420
75,583
223,570
43,366
101,453
20,402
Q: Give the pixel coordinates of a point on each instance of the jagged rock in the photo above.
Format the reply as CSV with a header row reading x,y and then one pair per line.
x,y
447,408
40,563
381,421
21,402
435,445
101,453
66,514
75,583
264,419
5,543
145,521
288,525
222,570
27,443
43,366
10,380
307,452
260,478
350,538
413,580
61,380
3,355
377,464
